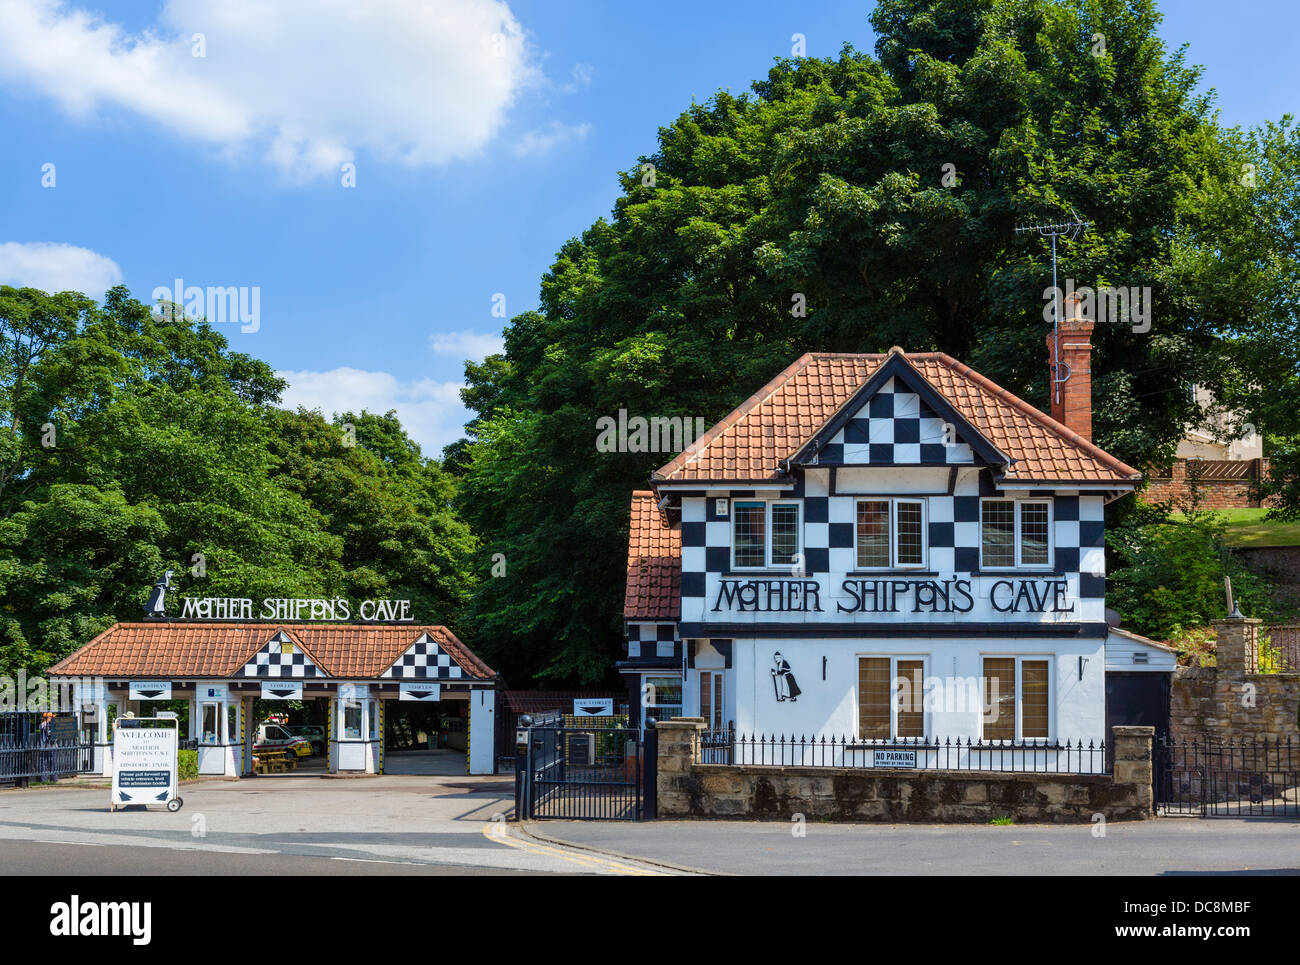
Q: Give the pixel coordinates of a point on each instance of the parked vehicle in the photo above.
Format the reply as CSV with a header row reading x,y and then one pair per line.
x,y
314,733
273,737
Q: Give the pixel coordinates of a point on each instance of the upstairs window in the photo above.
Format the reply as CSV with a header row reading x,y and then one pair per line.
x,y
764,533
890,533
1015,533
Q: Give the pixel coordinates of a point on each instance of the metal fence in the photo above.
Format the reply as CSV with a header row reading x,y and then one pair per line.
x,y
585,770
1279,649
41,747
1208,778
950,754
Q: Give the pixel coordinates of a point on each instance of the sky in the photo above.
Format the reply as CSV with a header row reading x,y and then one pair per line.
x,y
382,184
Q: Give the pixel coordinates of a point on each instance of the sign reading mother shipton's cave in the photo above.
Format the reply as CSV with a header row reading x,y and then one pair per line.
x,y
892,596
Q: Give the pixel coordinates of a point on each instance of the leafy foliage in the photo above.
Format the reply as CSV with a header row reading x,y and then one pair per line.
x,y
827,186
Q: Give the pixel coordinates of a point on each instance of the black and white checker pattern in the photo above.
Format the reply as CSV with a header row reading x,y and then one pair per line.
x,y
653,640
895,427
424,660
272,663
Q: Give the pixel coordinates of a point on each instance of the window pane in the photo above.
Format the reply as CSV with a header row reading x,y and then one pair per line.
x,y
909,533
1033,708
751,534
352,720
1000,698
1033,534
663,692
999,532
873,533
785,533
911,692
873,698
373,708
210,718
706,698
232,723
717,701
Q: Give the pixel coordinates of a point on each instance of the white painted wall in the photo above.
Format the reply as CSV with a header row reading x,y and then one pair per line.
x,y
482,731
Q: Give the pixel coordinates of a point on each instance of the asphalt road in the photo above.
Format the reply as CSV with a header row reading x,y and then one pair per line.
x,y
1166,846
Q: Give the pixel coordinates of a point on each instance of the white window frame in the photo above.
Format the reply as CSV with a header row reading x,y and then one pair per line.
x,y
650,694
1020,658
767,563
1017,539
219,722
893,702
893,533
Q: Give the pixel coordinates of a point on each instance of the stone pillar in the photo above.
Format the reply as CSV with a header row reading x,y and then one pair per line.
x,y
678,752
1133,763
1237,645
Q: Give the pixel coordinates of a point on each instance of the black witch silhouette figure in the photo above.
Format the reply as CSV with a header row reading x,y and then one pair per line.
x,y
783,681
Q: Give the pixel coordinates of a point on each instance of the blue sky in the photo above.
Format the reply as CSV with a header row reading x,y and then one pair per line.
x,y
484,133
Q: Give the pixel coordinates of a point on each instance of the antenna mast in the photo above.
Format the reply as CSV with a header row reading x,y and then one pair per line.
x,y
1068,230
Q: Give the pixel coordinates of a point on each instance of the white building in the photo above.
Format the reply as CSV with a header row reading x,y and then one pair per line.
x,y
884,549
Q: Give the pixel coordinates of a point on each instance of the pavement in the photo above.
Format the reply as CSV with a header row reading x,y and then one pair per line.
x,y
454,824
1165,846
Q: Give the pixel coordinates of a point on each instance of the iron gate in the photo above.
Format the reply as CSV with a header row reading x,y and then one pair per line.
x,y
1209,778
586,772
41,747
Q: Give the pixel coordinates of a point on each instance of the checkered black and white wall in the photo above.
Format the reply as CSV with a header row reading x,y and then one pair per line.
x,y
896,428
952,529
653,640
279,659
424,660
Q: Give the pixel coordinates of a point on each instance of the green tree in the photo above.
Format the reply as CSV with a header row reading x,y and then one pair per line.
x,y
880,195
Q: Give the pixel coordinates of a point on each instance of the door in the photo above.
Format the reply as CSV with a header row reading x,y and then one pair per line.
x,y
1136,700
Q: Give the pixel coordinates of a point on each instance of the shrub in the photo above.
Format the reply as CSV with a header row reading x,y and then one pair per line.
x,y
187,765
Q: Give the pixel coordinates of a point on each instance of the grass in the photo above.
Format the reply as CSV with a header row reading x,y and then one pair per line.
x,y
1002,822
1247,529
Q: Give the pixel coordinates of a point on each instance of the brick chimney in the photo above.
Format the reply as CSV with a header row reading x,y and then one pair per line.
x,y
1072,399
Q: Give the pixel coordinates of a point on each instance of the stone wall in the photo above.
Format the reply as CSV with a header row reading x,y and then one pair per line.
x,y
687,788
1231,701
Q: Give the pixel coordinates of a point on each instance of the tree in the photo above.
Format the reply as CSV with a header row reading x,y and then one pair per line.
x,y
850,204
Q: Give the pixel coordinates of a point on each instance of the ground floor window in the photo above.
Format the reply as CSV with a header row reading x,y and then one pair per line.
x,y
661,697
352,720
232,723
711,707
209,723
891,697
1017,698
372,708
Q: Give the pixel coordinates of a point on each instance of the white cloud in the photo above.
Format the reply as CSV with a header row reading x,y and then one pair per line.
x,y
307,82
537,143
579,77
467,345
430,411
54,267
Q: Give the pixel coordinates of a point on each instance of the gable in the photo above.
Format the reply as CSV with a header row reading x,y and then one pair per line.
x,y
424,660
282,658
896,427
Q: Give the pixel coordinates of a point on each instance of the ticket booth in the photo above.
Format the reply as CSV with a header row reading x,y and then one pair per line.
x,y
218,726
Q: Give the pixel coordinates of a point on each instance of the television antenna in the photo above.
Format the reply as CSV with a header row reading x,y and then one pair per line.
x,y
1068,230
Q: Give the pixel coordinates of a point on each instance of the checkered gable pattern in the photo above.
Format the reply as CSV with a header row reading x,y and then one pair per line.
x,y
896,428
424,660
280,659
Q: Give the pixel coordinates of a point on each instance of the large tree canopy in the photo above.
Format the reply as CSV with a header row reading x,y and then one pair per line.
x,y
882,193
133,444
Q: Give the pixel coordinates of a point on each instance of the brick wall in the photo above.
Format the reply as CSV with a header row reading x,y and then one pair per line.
x,y
1214,493
1231,701
687,788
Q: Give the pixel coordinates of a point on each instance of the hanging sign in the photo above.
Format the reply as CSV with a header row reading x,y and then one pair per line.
x,y
354,691
598,707
282,690
144,762
419,690
150,690
210,691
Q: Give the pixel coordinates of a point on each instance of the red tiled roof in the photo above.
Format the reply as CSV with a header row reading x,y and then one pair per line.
x,y
775,422
180,650
654,563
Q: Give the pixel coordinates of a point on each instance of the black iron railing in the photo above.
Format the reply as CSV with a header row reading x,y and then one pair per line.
x,y
1203,777
43,760
950,754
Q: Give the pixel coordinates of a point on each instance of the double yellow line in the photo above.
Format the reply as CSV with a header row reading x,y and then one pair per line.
x,y
499,832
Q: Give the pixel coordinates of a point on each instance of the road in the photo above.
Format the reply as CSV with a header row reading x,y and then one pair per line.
x,y
1166,846
453,825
